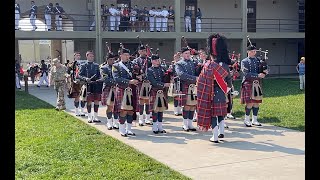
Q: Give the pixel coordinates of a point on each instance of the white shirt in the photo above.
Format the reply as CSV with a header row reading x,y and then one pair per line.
x,y
112,11
165,13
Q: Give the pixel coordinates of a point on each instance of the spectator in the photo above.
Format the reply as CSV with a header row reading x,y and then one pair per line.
x,y
198,20
301,70
171,19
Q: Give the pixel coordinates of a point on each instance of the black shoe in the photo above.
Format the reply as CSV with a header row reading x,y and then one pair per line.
x,y
194,129
187,130
38,86
221,136
115,127
163,131
141,124
109,128
96,121
90,121
194,120
156,132
124,135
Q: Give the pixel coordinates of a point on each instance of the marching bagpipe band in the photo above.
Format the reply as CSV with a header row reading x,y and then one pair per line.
x,y
127,100
192,88
92,85
263,68
235,65
144,91
110,100
74,86
158,95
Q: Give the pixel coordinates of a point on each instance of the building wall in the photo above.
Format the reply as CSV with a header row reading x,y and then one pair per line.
x,y
283,54
283,9
218,9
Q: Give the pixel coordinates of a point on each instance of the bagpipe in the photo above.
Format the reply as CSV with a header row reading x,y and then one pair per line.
x,y
74,86
263,68
112,92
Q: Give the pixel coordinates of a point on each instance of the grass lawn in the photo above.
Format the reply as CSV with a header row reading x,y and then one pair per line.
x,y
283,103
55,145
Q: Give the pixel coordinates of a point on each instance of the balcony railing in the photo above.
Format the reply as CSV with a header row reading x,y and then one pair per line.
x,y
275,25
81,22
214,24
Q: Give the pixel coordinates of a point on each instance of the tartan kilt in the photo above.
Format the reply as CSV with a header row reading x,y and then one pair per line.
x,y
153,94
93,97
104,95
183,99
119,97
219,109
138,92
246,91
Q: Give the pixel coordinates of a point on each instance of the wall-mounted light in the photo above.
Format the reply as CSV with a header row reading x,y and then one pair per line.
x,y
235,4
274,2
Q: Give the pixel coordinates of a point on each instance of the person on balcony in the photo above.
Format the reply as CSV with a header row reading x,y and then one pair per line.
x,y
105,18
187,19
47,14
158,15
164,19
198,20
152,14
112,12
144,14
118,17
93,25
133,17
33,15
58,11
17,15
171,19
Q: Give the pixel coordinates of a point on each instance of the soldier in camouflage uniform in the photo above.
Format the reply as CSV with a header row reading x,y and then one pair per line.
x,y
58,76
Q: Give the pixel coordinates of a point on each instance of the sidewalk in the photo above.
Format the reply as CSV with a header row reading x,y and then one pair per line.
x,y
266,152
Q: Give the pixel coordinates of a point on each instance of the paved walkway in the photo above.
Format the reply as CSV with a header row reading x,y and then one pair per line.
x,y
266,152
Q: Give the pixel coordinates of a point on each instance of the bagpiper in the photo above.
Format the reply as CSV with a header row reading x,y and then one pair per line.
x,y
158,93
109,91
122,74
212,87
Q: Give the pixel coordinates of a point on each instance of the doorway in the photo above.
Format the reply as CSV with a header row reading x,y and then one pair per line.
x,y
251,16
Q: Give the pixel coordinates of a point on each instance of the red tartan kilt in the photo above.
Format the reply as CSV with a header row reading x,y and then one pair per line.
x,y
219,109
183,99
93,97
104,96
246,91
119,97
153,94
